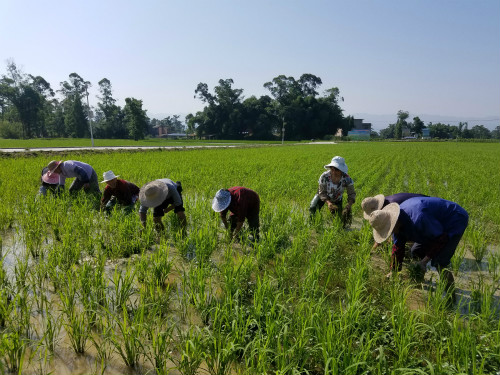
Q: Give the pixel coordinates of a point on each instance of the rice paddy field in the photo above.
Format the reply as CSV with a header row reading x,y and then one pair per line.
x,y
82,292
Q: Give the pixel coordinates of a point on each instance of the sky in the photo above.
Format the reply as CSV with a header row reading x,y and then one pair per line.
x,y
436,59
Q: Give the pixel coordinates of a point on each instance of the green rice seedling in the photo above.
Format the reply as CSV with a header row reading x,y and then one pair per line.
x,y
219,353
404,324
477,242
19,316
75,321
161,346
21,271
197,283
123,287
439,299
494,264
102,344
161,266
457,259
128,334
190,349
51,328
482,300
13,348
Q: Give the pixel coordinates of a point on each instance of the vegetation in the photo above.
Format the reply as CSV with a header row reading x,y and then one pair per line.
x,y
308,298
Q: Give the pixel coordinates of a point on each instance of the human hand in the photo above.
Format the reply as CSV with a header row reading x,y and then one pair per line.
x,y
332,207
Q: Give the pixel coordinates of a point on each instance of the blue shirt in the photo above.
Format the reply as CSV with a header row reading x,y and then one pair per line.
x,y
424,219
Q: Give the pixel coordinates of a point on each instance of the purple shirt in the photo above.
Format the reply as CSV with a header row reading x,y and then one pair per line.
x,y
400,198
426,219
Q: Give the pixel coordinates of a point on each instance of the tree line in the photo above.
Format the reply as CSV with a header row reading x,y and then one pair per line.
x,y
438,130
31,108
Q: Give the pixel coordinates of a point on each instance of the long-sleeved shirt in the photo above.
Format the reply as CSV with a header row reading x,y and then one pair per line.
x,y
429,221
123,191
75,169
244,203
328,190
400,198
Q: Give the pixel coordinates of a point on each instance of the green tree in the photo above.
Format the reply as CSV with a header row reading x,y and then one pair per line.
x,y
28,97
136,119
75,111
480,132
417,126
495,133
109,116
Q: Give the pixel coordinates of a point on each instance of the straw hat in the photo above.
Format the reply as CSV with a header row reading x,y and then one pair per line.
x,y
383,221
50,178
108,176
153,193
339,163
53,165
222,200
371,204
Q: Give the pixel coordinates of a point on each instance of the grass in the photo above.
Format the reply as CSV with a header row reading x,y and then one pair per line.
x,y
307,298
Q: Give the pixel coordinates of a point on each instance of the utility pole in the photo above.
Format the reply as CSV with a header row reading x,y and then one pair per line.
x,y
89,114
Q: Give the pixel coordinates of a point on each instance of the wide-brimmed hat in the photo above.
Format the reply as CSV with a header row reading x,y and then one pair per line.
x,y
108,176
371,204
50,178
339,163
153,193
383,221
222,200
53,165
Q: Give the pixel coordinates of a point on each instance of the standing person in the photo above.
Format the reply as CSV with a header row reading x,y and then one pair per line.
x,y
118,190
379,201
244,204
84,174
332,184
163,195
436,225
49,182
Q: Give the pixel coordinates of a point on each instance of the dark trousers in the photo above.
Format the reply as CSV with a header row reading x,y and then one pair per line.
x,y
443,258
253,223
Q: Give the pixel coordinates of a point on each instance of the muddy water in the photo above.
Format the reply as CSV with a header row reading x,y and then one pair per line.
x,y
64,360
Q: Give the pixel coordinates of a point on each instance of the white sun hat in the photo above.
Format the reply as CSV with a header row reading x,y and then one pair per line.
x,y
371,204
383,221
153,193
222,200
339,163
108,176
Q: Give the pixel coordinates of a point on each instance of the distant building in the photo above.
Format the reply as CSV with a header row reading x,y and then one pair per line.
x,y
426,133
360,131
162,130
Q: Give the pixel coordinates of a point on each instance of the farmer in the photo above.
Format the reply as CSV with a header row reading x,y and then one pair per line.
x,y
332,184
84,174
379,201
434,224
118,190
244,204
49,182
163,195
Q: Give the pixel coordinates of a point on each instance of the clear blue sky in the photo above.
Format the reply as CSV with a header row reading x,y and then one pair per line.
x,y
427,57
